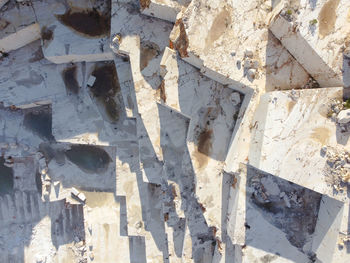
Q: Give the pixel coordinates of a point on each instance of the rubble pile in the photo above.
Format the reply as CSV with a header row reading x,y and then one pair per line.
x,y
338,168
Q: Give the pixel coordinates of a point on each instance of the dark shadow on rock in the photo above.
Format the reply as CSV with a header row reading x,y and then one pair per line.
x,y
67,223
39,121
27,210
348,243
313,4
342,136
219,112
151,203
137,249
178,168
291,208
228,181
346,72
123,215
94,163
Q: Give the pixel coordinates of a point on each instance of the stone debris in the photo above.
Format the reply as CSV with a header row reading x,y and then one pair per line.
x,y
174,131
338,168
343,116
81,197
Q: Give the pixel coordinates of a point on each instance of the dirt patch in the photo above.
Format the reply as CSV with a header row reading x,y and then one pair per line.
x,y
327,17
105,89
268,258
149,50
106,83
69,76
321,135
99,199
204,142
203,148
145,4
89,23
291,105
201,159
203,136
161,91
90,159
3,24
38,183
218,28
46,34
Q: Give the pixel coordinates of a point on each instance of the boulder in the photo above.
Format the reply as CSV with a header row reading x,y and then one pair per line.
x,y
343,116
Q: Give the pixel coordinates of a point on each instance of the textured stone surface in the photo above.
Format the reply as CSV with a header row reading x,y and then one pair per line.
x,y
316,34
18,26
74,31
201,140
80,110
291,128
210,36
28,78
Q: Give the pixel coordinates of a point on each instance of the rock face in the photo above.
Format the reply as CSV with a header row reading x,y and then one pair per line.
x,y
203,131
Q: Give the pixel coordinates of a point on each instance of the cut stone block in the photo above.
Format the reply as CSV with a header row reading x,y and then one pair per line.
x,y
93,166
18,27
104,222
327,229
91,114
15,17
126,86
213,110
144,51
27,78
210,35
166,10
21,38
316,34
30,127
73,32
290,129
265,222
130,186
